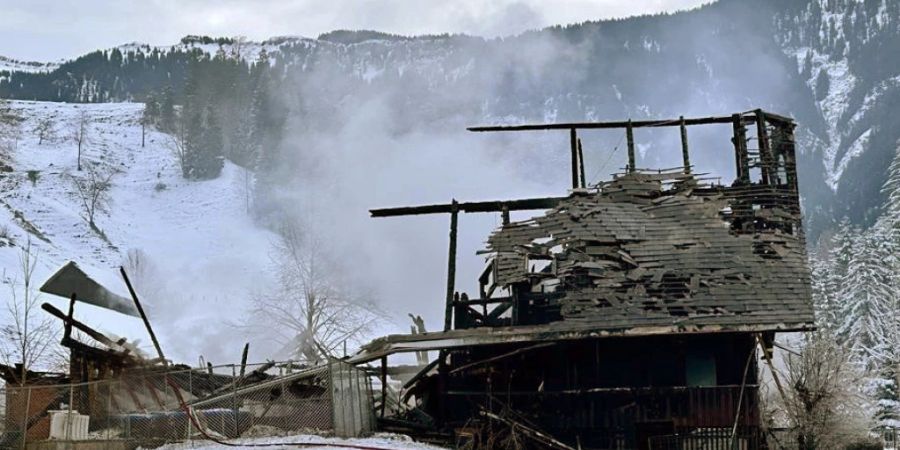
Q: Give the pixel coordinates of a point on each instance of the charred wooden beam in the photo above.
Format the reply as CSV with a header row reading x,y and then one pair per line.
x,y
73,323
741,159
383,385
573,144
624,124
765,152
685,156
244,359
451,264
502,356
470,207
67,327
536,435
140,310
482,301
581,164
629,137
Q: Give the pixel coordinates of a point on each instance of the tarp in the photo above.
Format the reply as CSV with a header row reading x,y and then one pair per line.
x,y
70,279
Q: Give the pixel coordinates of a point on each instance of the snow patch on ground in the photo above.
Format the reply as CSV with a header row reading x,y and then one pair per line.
x,y
385,441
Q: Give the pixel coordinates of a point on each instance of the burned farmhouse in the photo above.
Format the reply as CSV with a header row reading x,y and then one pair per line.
x,y
635,313
628,314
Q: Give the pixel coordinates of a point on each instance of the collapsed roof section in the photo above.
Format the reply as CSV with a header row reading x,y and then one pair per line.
x,y
659,249
650,252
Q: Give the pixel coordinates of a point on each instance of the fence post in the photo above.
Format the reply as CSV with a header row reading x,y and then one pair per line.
x,y
68,418
25,419
190,410
234,411
109,412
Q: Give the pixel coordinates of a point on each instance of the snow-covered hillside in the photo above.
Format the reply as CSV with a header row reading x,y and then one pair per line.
x,y
10,64
201,249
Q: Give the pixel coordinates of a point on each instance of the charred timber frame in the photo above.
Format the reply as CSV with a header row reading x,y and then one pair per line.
x,y
767,163
758,117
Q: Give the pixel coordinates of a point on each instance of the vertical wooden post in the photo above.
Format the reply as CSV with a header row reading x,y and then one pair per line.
x,y
790,157
67,329
685,156
244,359
765,154
581,164
383,385
741,159
573,143
504,214
451,264
629,136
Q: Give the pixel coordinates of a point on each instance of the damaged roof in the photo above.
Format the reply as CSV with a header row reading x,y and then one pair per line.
x,y
658,249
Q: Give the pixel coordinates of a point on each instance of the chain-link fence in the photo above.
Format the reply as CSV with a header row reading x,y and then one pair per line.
x,y
151,407
753,438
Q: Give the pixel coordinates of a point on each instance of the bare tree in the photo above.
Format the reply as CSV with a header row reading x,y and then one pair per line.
x,y
45,129
28,338
93,191
143,274
10,127
311,312
824,400
178,143
79,132
238,43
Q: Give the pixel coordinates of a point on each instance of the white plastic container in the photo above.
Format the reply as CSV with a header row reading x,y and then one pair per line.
x,y
69,426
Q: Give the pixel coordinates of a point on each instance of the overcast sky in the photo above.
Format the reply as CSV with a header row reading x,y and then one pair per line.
x,y
46,30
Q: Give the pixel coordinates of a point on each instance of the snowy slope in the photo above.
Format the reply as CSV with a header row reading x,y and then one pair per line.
x,y
203,253
10,64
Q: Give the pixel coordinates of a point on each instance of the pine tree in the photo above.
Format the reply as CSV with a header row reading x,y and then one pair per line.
x,y
865,292
167,109
211,159
888,391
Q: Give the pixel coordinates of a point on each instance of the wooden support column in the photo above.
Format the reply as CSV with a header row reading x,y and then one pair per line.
x,y
504,214
573,143
383,385
629,136
67,327
451,264
790,157
741,159
765,153
581,164
685,156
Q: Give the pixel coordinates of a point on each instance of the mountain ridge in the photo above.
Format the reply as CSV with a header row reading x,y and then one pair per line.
x,y
806,58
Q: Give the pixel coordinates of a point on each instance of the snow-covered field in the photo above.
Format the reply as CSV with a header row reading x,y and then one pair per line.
x,y
203,251
383,441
